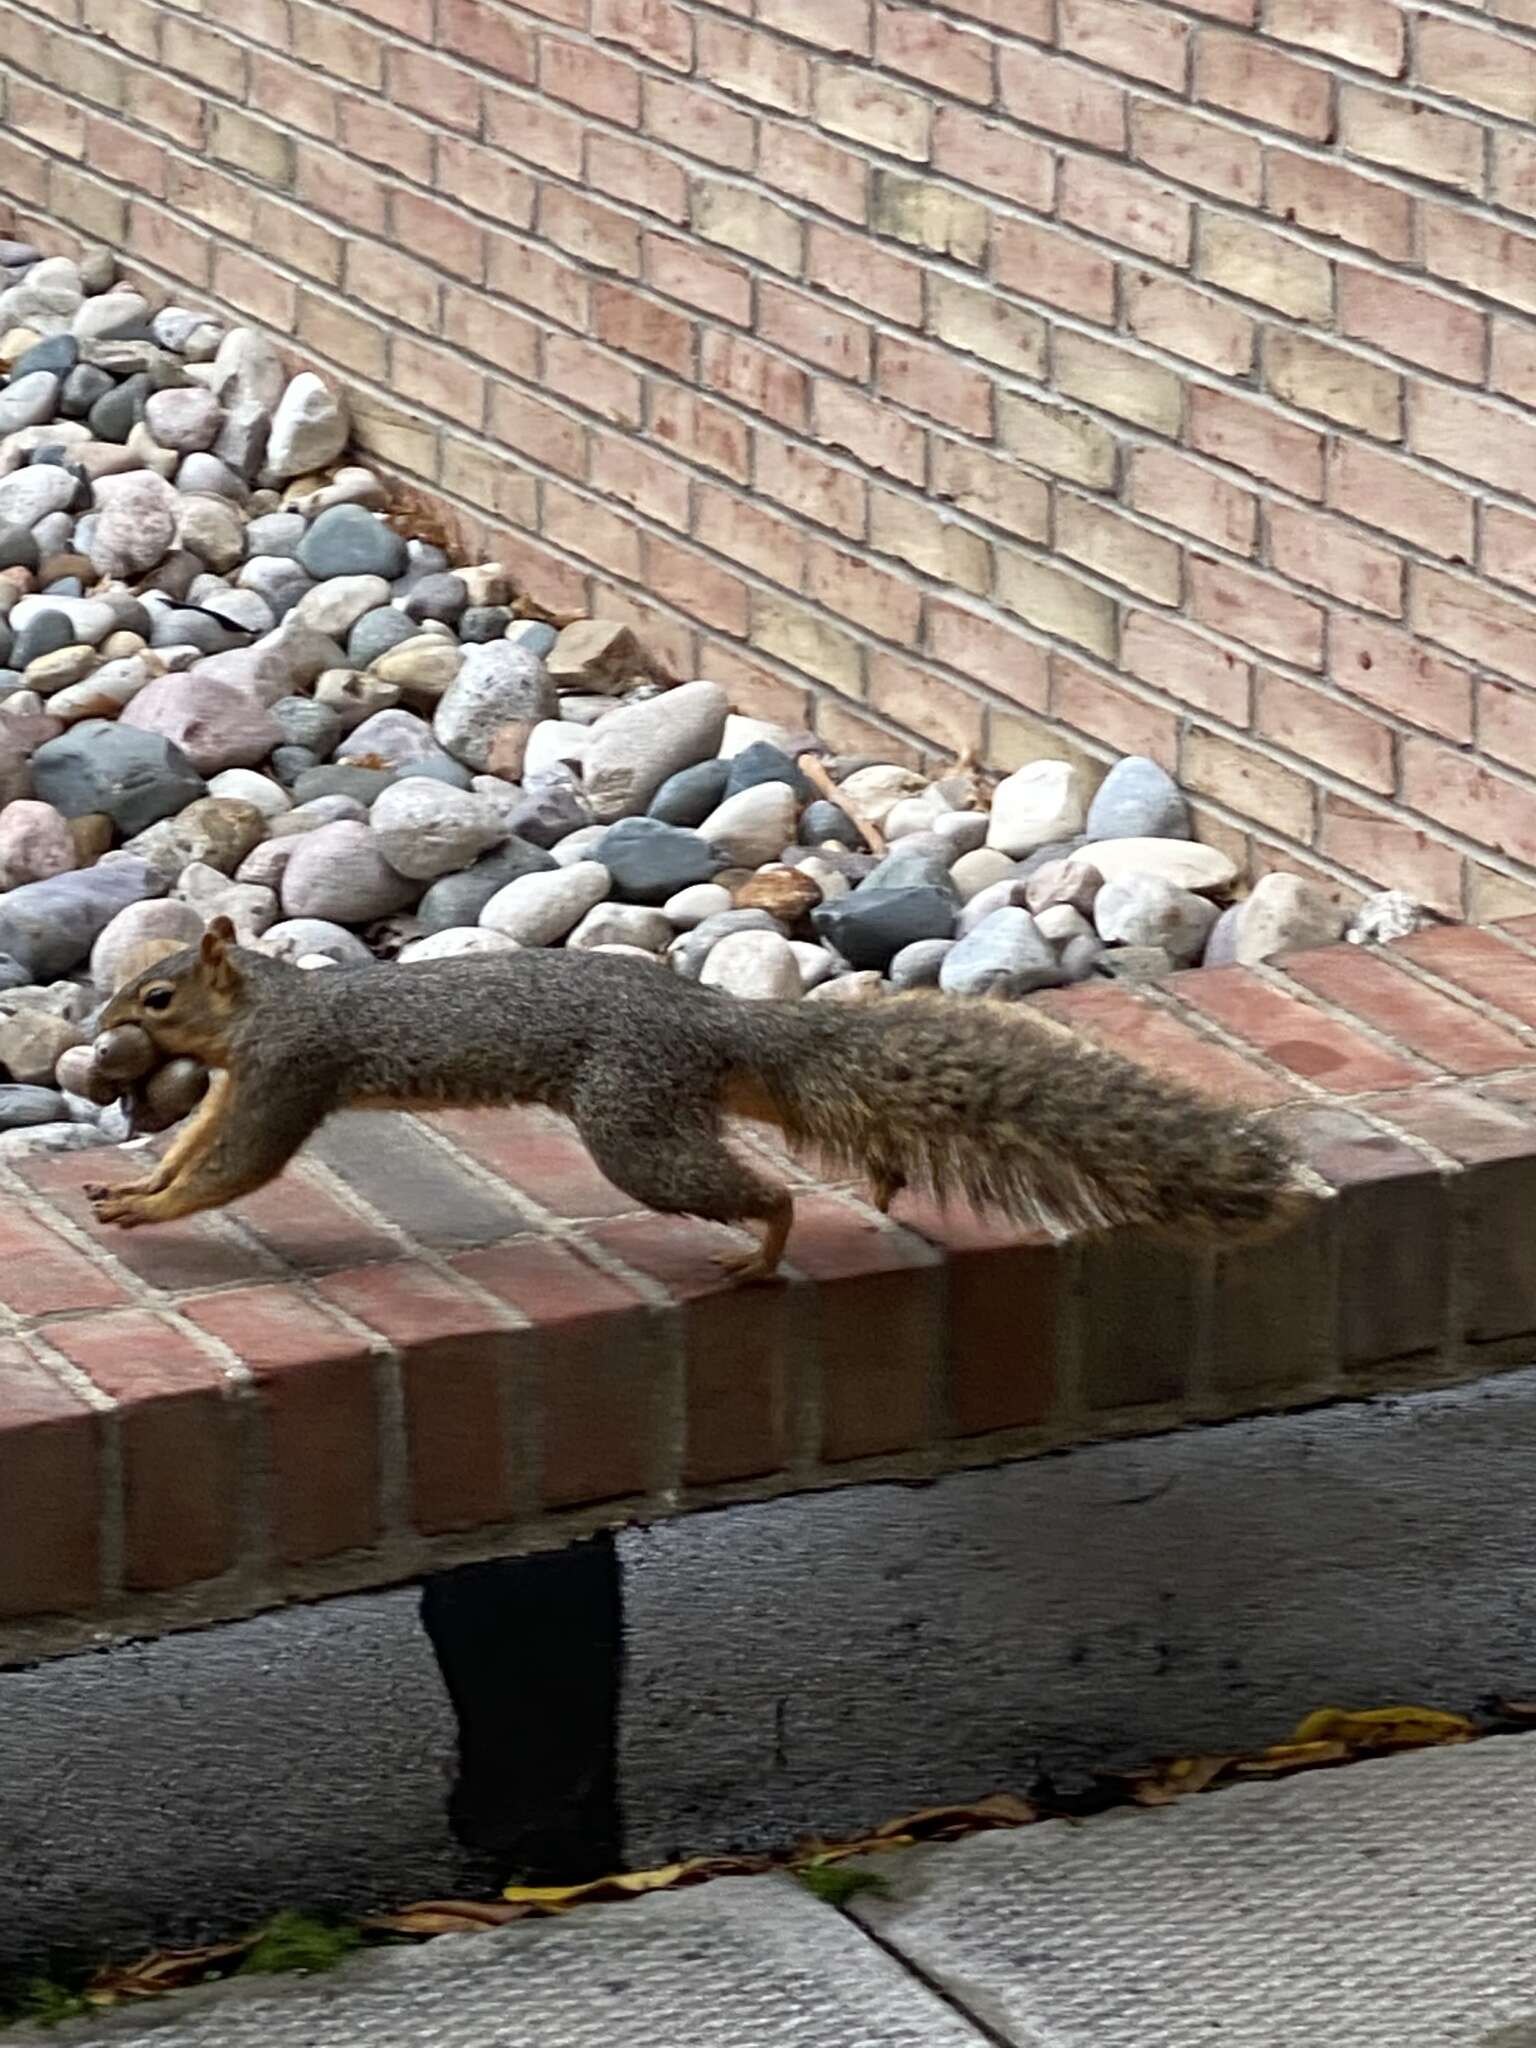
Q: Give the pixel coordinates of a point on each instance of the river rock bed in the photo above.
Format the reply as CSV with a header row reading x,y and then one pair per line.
x,y
231,684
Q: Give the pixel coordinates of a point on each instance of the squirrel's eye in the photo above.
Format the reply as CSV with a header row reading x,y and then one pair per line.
x,y
158,998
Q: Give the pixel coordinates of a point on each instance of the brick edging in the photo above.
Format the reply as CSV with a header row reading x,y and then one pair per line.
x,y
437,1341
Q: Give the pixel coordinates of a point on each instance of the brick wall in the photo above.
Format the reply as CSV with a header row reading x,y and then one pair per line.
x,y
1164,373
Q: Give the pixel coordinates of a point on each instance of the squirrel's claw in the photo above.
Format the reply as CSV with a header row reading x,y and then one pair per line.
x,y
116,1205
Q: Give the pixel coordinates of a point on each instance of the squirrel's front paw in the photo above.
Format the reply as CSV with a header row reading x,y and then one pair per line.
x,y
117,1205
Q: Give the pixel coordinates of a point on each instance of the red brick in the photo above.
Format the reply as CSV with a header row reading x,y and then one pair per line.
x,y
1382,491
541,1157
590,79
922,45
333,44
750,533
1143,1030
1468,796
314,1383
1482,255
1065,99
596,1366
1481,963
1126,207
1173,316
1407,135
50,1507
1374,986
1472,620
439,92
1512,365
1313,549
851,267
928,380
1041,263
718,133
394,285
1136,1344
680,577
1390,852
1195,672
658,489
1168,486
639,175
39,1273
584,527
799,162
841,25
347,191
997,158
1370,33
296,98
176,1427
1128,723
1391,669
1258,438
658,29
485,182
539,431
856,589
1330,200
701,430
979,648
1405,320
700,278
1260,613
733,367
872,434
1320,729
638,326
921,702
853,101
754,66
590,378
591,232
1186,146
809,328
1296,1036
1242,76
1478,65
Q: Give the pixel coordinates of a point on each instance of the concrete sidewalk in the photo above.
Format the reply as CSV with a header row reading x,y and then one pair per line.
x,y
1388,1903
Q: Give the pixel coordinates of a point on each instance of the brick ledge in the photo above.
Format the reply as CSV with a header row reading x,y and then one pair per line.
x,y
436,1341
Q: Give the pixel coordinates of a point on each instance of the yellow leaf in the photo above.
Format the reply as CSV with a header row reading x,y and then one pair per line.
x,y
1384,1727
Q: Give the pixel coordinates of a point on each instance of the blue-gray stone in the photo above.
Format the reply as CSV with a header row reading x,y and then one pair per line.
x,y
276,533
375,633
918,965
907,866
56,353
49,927
688,797
18,548
84,387
12,973
346,540
113,417
870,928
1007,954
1138,800
442,597
651,860
64,586
135,777
5,644
336,778
436,768
459,899
44,633
131,615
21,1105
533,635
824,820
1056,849
482,622
688,953
764,762
290,762
306,723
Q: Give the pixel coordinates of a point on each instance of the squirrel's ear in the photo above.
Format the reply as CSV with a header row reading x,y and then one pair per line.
x,y
216,941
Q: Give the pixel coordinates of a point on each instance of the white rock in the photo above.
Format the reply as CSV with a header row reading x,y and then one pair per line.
x,y
555,742
496,696
248,367
211,528
690,907
755,825
622,924
981,869
540,909
741,732
831,881
32,494
1144,910
427,828
914,814
91,619
309,428
1285,913
1045,801
135,522
876,791
1183,862
334,607
966,831
456,942
298,939
634,749
1390,914
1061,924
582,844
760,965
815,963
249,908
269,797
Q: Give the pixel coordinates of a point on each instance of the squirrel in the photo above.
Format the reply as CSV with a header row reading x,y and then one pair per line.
x,y
989,1101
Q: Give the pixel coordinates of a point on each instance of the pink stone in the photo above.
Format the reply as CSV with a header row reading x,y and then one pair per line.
x,y
35,842
216,725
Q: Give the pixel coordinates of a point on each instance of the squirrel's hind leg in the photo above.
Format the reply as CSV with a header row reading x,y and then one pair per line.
x,y
670,1155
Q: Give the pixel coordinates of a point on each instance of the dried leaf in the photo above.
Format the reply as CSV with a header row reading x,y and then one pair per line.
x,y
163,1970
1383,1728
432,1917
631,1884
1285,1757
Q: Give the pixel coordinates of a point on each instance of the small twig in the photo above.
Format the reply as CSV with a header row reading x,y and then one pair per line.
x,y
818,777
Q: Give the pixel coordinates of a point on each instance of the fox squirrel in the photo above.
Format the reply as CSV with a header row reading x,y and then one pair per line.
x,y
991,1102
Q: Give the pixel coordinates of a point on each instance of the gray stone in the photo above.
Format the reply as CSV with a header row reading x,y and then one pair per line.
x,y
21,1105
823,820
1221,946
962,831
49,927
650,860
242,441
442,597
346,540
29,495
1004,955
135,777
375,633
250,907
56,353
540,909
1138,800
459,899
636,748
83,389
688,952
219,831
27,401
918,965
481,622
1144,910
18,547
764,762
870,929
426,829
186,421
277,580
117,412
1134,963
910,866
688,797
497,686
208,473
341,778
532,635
44,632
335,606
1080,958
621,924
339,873
391,738
296,937
755,825
276,533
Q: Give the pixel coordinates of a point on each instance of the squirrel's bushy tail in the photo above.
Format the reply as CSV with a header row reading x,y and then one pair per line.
x,y
999,1105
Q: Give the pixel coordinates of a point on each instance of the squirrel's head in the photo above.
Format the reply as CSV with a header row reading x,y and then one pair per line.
x,y
185,1003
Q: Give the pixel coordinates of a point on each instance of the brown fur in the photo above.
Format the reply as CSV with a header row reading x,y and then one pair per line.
x,y
985,1101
